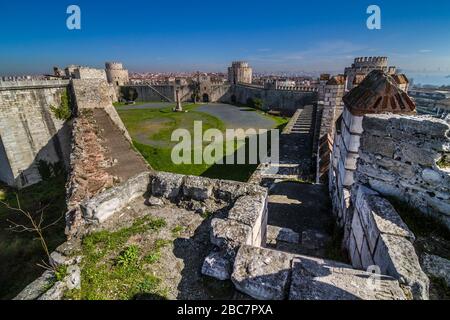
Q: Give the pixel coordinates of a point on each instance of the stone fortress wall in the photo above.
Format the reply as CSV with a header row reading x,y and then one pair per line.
x,y
29,130
286,101
380,150
238,90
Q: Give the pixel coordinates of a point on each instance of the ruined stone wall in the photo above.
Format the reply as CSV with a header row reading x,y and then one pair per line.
x,y
97,94
283,100
377,236
29,130
408,158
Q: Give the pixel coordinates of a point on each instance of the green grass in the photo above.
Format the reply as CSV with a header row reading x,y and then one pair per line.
x,y
177,230
61,272
151,130
113,269
138,103
280,121
20,252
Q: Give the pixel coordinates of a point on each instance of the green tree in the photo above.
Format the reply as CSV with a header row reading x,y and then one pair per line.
x,y
63,111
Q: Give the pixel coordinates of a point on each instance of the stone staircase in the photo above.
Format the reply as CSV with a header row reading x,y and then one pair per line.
x,y
160,94
303,123
295,150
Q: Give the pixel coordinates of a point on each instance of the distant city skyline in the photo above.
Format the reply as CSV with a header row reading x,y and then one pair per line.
x,y
294,36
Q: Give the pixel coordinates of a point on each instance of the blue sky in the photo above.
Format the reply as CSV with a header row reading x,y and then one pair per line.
x,y
206,35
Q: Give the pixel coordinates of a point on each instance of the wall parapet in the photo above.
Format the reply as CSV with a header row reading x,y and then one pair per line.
x,y
402,156
32,84
407,157
379,237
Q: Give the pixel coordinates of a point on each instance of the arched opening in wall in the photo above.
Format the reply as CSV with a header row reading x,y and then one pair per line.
x,y
233,99
205,97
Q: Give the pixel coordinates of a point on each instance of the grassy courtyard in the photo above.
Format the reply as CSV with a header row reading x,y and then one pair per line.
x,y
151,130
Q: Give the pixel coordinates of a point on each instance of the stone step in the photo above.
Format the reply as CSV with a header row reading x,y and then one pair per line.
x,y
274,275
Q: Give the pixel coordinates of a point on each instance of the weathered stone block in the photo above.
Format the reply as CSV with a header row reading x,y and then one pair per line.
x,y
228,190
351,141
73,278
251,211
155,202
317,279
385,188
275,234
197,188
38,287
56,292
366,256
112,200
386,219
378,145
357,231
437,267
216,265
397,257
57,259
167,185
354,123
262,273
230,234
417,155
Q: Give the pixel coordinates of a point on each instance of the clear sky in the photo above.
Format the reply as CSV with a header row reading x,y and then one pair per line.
x,y
157,35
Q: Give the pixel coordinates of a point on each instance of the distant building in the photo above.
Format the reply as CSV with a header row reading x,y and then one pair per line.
x,y
240,72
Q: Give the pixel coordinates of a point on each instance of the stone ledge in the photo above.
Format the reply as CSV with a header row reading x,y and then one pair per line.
x,y
318,279
230,234
166,185
112,200
261,273
397,257
197,188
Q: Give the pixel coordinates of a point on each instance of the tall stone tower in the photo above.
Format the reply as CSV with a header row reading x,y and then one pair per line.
x,y
240,72
362,66
116,74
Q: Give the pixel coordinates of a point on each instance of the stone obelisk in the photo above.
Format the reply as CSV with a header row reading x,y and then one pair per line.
x,y
178,108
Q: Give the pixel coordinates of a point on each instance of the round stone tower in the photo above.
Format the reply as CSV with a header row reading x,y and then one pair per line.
x,y
240,72
116,74
362,66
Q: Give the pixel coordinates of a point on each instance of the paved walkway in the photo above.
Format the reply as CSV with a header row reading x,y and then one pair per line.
x,y
237,117
150,105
